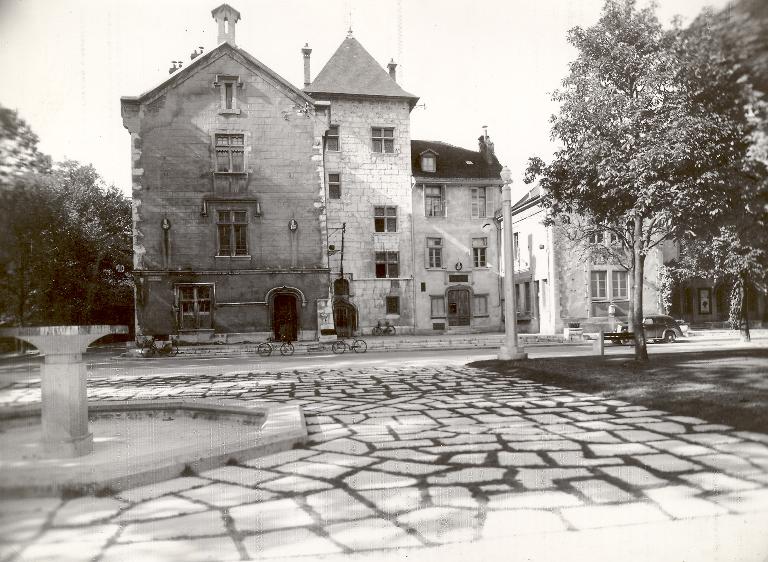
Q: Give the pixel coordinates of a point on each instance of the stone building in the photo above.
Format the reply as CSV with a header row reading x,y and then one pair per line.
x,y
367,162
456,193
264,210
228,199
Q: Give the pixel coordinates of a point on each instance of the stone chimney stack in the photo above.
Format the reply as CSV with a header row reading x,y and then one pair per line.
x,y
306,51
391,67
486,146
226,17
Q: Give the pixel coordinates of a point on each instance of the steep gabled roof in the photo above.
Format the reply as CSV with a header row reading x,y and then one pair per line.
x,y
353,71
453,162
184,73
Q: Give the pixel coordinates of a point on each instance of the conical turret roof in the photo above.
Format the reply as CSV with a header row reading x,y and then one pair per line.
x,y
353,71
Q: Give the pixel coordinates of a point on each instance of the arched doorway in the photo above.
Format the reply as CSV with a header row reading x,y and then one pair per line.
x,y
458,302
344,318
285,318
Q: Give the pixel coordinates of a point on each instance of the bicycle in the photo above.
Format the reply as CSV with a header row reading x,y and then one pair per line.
x,y
341,346
386,330
266,348
150,347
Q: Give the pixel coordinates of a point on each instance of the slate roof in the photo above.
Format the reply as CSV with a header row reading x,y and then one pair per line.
x,y
353,71
452,161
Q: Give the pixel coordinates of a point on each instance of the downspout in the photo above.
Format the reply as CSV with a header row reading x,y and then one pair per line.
x,y
413,263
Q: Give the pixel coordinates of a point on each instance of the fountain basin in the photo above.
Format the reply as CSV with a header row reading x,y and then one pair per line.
x,y
142,442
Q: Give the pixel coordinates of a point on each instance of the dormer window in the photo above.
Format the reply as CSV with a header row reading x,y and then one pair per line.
x,y
428,161
228,86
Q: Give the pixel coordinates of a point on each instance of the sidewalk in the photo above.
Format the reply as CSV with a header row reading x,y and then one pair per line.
x,y
423,342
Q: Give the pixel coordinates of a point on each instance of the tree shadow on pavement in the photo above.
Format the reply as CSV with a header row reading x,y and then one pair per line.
x,y
724,387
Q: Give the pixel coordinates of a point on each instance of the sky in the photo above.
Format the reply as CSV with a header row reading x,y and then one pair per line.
x,y
66,63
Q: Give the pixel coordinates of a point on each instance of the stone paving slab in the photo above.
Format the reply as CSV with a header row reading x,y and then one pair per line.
x,y
404,458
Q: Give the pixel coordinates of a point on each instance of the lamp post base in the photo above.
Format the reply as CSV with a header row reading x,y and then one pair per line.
x,y
512,353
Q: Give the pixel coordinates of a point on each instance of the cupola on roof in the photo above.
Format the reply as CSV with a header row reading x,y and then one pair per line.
x,y
353,71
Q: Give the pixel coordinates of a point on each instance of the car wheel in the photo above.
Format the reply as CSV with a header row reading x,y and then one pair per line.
x,y
670,337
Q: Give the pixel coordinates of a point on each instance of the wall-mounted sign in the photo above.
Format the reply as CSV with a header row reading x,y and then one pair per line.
x,y
293,225
166,224
459,266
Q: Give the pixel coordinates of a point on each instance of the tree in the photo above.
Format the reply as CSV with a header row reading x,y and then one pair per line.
x,y
18,148
654,134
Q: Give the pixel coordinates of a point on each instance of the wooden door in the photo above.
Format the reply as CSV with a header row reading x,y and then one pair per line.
x,y
459,311
285,321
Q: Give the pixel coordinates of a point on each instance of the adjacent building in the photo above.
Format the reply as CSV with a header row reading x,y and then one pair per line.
x,y
456,193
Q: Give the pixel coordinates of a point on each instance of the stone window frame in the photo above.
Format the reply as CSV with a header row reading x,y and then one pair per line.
x,y
232,226
334,185
434,247
382,139
228,84
333,138
388,264
179,304
383,221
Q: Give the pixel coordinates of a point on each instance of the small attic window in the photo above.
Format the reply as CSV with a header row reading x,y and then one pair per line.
x,y
228,86
428,163
469,162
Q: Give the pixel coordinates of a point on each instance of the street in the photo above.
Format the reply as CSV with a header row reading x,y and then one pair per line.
x,y
105,361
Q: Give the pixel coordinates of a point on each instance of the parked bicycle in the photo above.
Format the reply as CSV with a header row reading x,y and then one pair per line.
x,y
383,330
266,348
151,346
357,345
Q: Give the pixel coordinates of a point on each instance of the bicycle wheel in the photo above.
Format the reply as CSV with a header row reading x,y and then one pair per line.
x,y
286,348
389,331
148,349
339,346
174,348
264,349
376,331
359,346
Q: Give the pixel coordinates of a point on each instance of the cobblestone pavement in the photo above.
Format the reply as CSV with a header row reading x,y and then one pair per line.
x,y
402,458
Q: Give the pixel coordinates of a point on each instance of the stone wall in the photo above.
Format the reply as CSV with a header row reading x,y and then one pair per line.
x,y
370,179
172,137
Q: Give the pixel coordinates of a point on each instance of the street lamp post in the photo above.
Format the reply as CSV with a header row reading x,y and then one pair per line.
x,y
509,350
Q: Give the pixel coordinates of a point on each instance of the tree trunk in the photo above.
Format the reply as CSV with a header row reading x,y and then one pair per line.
x,y
641,351
746,337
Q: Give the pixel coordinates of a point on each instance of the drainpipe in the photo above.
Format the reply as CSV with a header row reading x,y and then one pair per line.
x,y
413,264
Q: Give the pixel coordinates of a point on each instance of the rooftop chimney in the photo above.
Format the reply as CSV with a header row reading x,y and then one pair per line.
x,y
306,51
226,17
486,146
391,67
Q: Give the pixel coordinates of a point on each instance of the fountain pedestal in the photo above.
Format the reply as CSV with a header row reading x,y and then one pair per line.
x,y
64,403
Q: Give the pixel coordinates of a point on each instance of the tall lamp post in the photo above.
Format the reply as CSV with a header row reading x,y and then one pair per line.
x,y
509,350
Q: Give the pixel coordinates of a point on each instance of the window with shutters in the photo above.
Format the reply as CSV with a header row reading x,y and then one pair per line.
x,y
434,252
478,202
479,252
